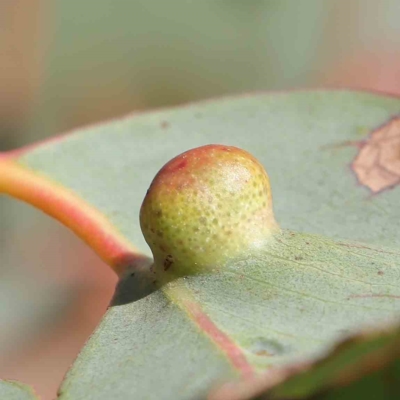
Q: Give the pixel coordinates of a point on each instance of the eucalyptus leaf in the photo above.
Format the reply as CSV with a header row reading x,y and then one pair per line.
x,y
302,139
12,390
288,303
365,365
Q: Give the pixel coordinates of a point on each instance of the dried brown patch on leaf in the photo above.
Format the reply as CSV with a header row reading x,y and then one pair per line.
x,y
377,164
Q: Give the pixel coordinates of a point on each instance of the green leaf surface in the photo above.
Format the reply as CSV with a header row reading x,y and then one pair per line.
x,y
12,390
274,309
292,301
363,366
299,137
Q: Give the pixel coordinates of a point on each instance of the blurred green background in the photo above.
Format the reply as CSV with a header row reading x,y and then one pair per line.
x,y
68,63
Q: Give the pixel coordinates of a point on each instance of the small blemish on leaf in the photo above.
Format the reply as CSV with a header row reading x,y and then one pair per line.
x,y
262,353
164,124
266,347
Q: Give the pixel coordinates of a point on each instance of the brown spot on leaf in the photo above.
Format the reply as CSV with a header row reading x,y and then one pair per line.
x,y
263,353
380,272
164,124
377,164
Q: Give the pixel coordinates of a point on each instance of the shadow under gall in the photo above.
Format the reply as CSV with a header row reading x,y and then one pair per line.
x,y
137,282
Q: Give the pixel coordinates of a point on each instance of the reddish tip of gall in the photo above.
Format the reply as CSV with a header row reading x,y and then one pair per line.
x,y
179,166
192,160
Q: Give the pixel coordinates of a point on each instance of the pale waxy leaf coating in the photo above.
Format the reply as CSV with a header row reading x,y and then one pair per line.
x,y
290,301
12,390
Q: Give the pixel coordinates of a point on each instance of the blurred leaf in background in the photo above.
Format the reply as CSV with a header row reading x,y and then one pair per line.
x,y
21,61
110,58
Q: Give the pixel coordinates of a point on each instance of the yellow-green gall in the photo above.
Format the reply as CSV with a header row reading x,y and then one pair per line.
x,y
206,206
